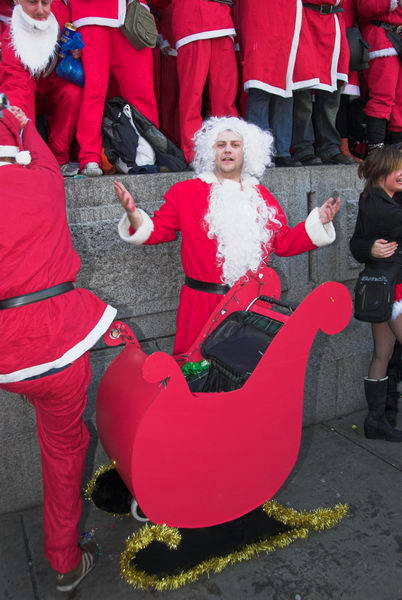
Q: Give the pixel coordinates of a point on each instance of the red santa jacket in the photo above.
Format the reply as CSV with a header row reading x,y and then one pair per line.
x,y
110,13
15,79
352,88
272,44
328,33
194,20
387,11
36,253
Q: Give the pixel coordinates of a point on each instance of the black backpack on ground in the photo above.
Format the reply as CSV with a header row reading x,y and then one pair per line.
x,y
120,139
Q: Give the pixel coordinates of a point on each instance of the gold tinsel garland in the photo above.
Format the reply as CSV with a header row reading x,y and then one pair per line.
x,y
91,485
319,519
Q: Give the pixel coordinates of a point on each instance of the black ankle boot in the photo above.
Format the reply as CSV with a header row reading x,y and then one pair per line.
x,y
376,426
376,130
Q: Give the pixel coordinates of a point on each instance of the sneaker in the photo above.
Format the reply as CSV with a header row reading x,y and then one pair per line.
x,y
69,581
92,169
338,159
287,161
310,160
68,170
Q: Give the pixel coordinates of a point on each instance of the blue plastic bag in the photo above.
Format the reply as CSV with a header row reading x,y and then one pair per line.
x,y
71,68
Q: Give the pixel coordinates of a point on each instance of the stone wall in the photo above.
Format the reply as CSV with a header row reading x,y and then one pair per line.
x,y
143,283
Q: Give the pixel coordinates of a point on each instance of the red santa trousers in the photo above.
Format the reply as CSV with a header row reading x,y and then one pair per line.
x,y
59,402
384,83
108,53
202,62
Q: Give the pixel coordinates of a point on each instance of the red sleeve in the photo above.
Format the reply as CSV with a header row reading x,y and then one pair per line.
x,y
42,157
16,81
166,220
287,241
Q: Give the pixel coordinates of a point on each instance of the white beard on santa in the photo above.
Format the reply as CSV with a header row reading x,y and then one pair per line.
x,y
238,218
34,42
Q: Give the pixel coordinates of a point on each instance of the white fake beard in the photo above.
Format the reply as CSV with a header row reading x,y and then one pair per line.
x,y
238,219
34,42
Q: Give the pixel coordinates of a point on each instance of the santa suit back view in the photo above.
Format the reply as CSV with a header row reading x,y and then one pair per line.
x,y
203,32
107,53
379,20
47,327
26,75
315,137
278,57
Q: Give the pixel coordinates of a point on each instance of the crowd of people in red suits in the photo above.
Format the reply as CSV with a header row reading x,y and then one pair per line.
x,y
282,65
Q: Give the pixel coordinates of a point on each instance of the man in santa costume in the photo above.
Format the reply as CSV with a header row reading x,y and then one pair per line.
x,y
203,32
315,137
278,58
27,72
381,21
229,223
47,328
108,54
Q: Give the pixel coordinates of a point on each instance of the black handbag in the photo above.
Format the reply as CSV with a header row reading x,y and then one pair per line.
x,y
374,292
359,53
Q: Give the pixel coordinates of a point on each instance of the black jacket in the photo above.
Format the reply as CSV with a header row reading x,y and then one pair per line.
x,y
379,217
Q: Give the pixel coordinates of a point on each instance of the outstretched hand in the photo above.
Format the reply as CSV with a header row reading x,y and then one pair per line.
x,y
19,115
124,197
329,209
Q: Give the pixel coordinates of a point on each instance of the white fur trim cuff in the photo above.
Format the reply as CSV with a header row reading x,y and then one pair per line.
x,y
319,234
143,232
396,309
9,150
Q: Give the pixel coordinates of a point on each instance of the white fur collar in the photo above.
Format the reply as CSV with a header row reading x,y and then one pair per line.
x,y
246,180
34,42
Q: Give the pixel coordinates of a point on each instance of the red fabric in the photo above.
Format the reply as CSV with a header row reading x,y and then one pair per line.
x,y
205,62
59,402
198,252
9,130
328,33
268,31
384,86
36,252
398,292
350,19
108,53
377,10
192,17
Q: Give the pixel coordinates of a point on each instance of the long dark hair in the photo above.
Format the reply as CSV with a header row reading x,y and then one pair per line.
x,y
378,164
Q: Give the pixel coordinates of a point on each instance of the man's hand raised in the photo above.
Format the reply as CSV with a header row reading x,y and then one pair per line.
x,y
329,209
127,202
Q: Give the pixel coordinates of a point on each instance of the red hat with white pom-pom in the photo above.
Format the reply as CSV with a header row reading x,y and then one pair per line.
x,y
10,140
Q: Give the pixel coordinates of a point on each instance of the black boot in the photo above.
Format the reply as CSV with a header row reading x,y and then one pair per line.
x,y
376,130
391,403
394,138
376,425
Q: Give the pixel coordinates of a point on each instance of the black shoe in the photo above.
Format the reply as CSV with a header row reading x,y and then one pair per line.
x,y
380,429
339,159
310,161
287,161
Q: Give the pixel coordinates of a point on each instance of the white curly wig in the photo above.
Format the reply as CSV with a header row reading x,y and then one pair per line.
x,y
258,145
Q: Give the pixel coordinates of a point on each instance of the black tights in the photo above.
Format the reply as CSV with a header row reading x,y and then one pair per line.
x,y
384,336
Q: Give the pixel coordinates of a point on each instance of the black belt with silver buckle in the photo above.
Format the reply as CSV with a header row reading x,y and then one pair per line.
x,y
203,286
55,290
324,9
388,26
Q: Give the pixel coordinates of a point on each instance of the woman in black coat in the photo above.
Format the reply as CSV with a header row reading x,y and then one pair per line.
x,y
378,238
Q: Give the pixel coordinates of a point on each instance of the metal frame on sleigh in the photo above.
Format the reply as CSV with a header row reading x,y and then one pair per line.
x,y
196,460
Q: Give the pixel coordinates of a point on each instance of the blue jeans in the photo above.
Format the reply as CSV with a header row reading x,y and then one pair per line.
x,y
314,130
272,112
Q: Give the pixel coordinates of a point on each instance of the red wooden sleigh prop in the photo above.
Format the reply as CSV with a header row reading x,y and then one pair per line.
x,y
200,459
